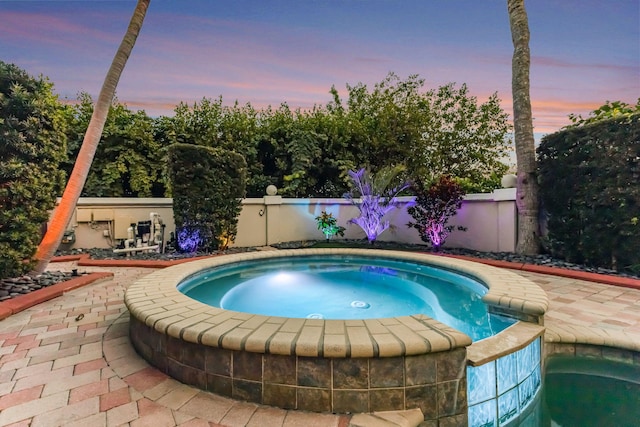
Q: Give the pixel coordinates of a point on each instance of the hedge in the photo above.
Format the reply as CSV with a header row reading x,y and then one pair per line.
x,y
590,189
207,186
32,146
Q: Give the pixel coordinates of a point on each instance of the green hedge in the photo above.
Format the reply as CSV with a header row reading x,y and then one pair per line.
x,y
207,186
590,189
32,146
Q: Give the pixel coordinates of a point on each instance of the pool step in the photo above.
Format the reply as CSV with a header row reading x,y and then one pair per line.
x,y
407,418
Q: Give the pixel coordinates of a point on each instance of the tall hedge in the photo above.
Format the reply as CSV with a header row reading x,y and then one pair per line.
x,y
32,146
590,188
207,185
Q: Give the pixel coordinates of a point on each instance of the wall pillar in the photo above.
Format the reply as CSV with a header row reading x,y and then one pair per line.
x,y
274,221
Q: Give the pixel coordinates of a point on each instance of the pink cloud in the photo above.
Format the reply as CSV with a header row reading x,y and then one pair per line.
x,y
552,114
267,64
547,61
52,30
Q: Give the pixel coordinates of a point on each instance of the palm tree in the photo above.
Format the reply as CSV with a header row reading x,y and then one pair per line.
x,y
63,212
527,187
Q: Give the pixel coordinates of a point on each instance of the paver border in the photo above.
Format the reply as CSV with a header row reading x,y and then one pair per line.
x,y
22,302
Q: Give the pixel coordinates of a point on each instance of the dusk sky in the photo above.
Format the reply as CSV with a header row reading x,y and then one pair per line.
x,y
266,52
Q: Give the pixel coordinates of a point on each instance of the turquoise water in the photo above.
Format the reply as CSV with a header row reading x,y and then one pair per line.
x,y
347,288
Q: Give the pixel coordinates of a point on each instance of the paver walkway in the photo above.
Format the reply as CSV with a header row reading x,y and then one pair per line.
x,y
68,362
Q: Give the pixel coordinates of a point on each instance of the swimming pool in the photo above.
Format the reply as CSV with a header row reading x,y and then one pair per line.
x,y
600,392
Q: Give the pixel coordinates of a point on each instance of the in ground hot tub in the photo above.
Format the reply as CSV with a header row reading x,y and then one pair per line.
x,y
347,287
336,365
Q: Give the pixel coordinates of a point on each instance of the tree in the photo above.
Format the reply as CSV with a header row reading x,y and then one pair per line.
x,y
609,110
208,185
527,186
209,123
32,146
308,153
440,131
128,161
589,186
63,212
463,139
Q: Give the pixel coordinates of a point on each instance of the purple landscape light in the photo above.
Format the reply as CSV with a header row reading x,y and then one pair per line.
x,y
188,239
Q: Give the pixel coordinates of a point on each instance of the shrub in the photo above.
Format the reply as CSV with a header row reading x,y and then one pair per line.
x,y
207,186
589,188
308,152
32,146
328,224
374,196
433,208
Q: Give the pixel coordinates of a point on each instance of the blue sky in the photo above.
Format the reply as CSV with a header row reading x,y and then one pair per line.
x,y
584,52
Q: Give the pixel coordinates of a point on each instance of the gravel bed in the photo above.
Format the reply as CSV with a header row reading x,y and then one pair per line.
x,y
10,288
149,255
13,287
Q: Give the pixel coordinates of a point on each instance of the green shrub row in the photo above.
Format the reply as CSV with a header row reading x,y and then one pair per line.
x,y
590,190
308,153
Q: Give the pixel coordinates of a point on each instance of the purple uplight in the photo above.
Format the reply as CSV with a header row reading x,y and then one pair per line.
x,y
433,207
188,239
370,219
374,203
437,233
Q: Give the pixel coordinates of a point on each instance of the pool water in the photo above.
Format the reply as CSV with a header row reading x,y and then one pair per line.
x,y
576,392
347,288
590,393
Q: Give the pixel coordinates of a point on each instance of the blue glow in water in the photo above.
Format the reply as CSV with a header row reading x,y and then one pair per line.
x,y
347,288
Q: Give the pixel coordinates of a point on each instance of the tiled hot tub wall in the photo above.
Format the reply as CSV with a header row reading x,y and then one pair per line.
x,y
433,382
327,365
502,389
505,376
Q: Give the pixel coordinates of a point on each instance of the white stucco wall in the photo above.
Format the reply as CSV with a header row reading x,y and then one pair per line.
x,y
490,220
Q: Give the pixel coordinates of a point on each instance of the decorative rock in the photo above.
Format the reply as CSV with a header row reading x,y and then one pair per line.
x,y
13,287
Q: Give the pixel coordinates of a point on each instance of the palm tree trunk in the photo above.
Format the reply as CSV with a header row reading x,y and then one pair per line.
x,y
64,211
527,187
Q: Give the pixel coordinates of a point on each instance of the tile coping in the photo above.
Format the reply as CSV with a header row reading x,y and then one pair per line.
x,y
514,338
155,301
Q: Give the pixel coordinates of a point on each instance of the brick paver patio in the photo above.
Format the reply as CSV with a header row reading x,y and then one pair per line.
x,y
68,361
